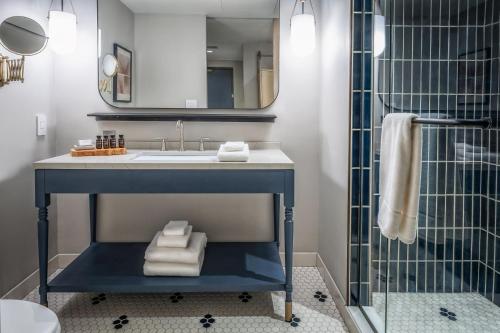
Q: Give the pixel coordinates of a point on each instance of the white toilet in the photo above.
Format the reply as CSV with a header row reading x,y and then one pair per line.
x,y
27,317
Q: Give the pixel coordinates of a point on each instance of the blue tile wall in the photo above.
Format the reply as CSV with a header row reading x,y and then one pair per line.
x,y
443,65
361,101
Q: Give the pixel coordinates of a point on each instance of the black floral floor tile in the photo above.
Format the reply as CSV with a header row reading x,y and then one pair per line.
x,y
176,297
245,297
207,321
120,322
295,321
320,296
98,299
446,313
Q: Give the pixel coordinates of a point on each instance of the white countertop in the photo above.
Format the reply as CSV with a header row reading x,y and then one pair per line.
x,y
259,159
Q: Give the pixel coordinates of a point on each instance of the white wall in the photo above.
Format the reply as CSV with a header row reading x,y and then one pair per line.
x,y
118,27
171,60
334,138
19,147
222,217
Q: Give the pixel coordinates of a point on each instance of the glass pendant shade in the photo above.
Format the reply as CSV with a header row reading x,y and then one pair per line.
x,y
62,32
303,34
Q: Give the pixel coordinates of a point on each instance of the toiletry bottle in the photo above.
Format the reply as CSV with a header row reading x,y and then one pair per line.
x,y
98,142
112,141
121,141
105,142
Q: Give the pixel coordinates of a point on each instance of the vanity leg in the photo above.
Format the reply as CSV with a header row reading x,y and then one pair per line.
x,y
93,217
288,261
43,253
276,210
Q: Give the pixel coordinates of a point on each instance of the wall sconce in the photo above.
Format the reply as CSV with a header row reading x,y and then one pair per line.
x,y
62,29
23,36
303,28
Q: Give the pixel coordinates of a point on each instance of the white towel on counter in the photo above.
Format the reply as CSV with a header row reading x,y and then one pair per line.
x,y
174,241
400,165
173,269
234,146
233,156
176,228
188,255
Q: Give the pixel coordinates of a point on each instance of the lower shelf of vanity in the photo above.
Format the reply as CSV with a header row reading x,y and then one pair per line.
x,y
228,267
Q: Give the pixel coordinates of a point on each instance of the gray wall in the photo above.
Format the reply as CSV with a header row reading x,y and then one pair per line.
x,y
222,217
334,139
171,60
117,28
19,147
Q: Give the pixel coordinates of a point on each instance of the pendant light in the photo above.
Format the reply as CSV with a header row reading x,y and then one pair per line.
x,y
62,29
303,28
378,31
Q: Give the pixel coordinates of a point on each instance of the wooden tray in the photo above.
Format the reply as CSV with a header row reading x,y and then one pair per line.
x,y
98,152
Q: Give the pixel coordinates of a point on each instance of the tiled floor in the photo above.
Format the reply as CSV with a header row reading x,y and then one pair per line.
x,y
314,310
438,312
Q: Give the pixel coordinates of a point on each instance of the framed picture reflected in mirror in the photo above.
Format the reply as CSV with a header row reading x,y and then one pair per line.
x,y
122,81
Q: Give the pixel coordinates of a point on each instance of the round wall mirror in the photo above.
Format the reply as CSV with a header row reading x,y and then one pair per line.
x,y
22,35
109,65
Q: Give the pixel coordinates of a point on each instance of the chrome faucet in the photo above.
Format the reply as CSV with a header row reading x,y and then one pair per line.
x,y
180,126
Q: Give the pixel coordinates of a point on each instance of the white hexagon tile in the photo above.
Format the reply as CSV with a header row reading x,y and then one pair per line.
x,y
313,308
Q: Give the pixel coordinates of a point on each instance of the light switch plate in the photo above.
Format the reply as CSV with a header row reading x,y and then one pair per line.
x,y
191,103
41,125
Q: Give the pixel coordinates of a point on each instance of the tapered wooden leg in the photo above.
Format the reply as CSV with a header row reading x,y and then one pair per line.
x,y
93,217
276,211
288,261
43,239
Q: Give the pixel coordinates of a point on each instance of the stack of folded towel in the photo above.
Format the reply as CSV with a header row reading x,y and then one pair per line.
x,y
233,151
176,251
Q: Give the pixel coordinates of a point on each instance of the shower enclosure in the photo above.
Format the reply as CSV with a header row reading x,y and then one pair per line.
x,y
441,61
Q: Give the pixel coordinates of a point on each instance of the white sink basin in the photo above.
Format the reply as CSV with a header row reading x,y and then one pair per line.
x,y
177,156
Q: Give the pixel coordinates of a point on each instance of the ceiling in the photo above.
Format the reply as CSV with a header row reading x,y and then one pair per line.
x,y
213,8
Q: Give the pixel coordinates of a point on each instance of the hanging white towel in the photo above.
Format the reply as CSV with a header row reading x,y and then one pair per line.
x,y
400,165
188,255
173,269
233,156
174,241
176,228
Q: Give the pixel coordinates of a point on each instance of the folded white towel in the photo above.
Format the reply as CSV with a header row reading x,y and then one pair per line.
x,y
233,146
87,147
233,156
174,241
176,228
188,255
400,164
173,269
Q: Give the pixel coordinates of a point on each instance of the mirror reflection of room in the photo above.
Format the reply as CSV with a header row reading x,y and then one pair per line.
x,y
201,54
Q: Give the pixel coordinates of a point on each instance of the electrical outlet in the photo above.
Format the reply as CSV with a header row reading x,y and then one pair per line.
x,y
191,103
41,125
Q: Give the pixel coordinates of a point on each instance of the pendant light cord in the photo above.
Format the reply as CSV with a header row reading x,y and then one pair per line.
x,y
62,8
303,4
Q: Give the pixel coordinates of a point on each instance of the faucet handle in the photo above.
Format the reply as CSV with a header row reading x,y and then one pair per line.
x,y
163,143
202,143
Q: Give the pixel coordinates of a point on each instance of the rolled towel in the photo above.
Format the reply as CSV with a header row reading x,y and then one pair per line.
x,y
234,146
174,241
188,255
173,269
176,228
234,156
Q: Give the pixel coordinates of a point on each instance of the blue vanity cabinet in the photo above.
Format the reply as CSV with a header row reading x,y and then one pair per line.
x,y
117,267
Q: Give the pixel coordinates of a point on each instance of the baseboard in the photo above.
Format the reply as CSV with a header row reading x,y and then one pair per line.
x,y
24,287
301,259
337,296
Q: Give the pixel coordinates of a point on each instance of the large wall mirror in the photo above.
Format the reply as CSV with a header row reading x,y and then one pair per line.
x,y
194,54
